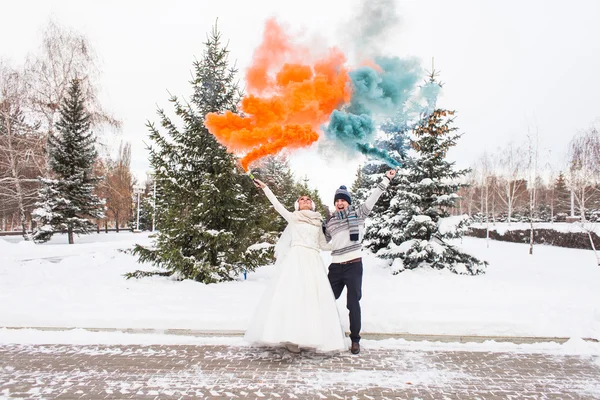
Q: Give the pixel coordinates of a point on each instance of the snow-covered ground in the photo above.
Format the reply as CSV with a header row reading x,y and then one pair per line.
x,y
555,292
575,346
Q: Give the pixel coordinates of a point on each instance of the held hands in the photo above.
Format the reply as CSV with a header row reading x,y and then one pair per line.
x,y
390,174
259,184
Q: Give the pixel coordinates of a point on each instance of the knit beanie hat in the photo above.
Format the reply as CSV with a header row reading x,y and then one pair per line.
x,y
342,193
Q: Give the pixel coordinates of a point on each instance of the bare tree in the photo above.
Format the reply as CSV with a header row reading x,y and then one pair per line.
x,y
584,175
532,179
584,167
486,179
31,99
21,148
589,228
117,186
467,193
554,193
511,162
64,55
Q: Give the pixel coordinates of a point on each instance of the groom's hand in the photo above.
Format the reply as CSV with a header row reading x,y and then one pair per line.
x,y
390,174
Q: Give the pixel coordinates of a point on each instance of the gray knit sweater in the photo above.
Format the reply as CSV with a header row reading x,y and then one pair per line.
x,y
343,249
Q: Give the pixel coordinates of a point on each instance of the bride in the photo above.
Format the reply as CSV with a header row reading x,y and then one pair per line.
x,y
298,309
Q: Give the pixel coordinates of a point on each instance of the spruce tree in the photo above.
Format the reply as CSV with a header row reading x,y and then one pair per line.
x,y
418,220
412,222
68,201
146,208
562,196
394,140
205,202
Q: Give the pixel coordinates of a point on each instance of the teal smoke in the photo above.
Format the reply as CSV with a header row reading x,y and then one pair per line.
x,y
380,94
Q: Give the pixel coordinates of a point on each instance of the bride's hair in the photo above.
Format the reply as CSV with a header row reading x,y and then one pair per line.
x,y
297,205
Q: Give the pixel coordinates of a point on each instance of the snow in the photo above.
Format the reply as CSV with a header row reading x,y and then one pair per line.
x,y
502,228
438,249
87,337
449,224
405,246
552,293
259,246
574,346
421,218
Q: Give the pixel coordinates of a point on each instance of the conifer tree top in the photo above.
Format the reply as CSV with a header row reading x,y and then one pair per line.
x,y
215,86
72,147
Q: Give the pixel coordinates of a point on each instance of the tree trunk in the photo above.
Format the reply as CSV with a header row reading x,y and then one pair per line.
x,y
481,208
552,208
487,218
117,221
70,234
493,209
582,205
17,182
531,207
508,202
530,236
593,247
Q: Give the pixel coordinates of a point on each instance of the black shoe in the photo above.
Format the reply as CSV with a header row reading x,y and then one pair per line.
x,y
355,348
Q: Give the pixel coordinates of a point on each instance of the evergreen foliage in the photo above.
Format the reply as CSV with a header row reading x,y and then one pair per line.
x,y
67,202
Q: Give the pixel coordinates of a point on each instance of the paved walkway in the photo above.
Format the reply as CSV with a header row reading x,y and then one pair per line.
x,y
185,372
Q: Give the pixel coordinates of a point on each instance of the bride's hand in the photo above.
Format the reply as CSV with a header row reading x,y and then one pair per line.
x,y
258,183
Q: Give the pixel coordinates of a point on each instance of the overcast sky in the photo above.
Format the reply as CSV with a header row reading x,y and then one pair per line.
x,y
507,65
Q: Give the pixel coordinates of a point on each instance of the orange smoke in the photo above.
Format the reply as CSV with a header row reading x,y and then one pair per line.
x,y
288,101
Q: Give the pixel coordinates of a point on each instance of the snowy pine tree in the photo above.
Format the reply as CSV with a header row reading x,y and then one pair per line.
x,y
394,140
418,219
562,196
411,220
68,201
205,211
147,207
367,177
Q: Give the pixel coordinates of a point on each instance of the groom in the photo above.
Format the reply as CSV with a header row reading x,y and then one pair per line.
x,y
344,229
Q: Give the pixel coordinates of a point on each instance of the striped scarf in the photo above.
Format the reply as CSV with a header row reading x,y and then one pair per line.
x,y
349,214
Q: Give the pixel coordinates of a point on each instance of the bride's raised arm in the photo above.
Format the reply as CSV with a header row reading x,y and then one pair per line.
x,y
287,215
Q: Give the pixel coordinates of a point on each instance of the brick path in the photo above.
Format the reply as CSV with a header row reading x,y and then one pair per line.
x,y
183,371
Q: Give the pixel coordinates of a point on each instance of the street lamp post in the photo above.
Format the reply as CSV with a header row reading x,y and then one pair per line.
x,y
138,190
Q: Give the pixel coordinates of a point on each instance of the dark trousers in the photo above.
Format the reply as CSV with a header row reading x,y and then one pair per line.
x,y
350,276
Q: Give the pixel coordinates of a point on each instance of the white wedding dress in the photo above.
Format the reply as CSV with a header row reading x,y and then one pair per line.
x,y
298,306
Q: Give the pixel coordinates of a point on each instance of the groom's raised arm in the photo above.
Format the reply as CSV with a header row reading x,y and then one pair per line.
x,y
365,209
